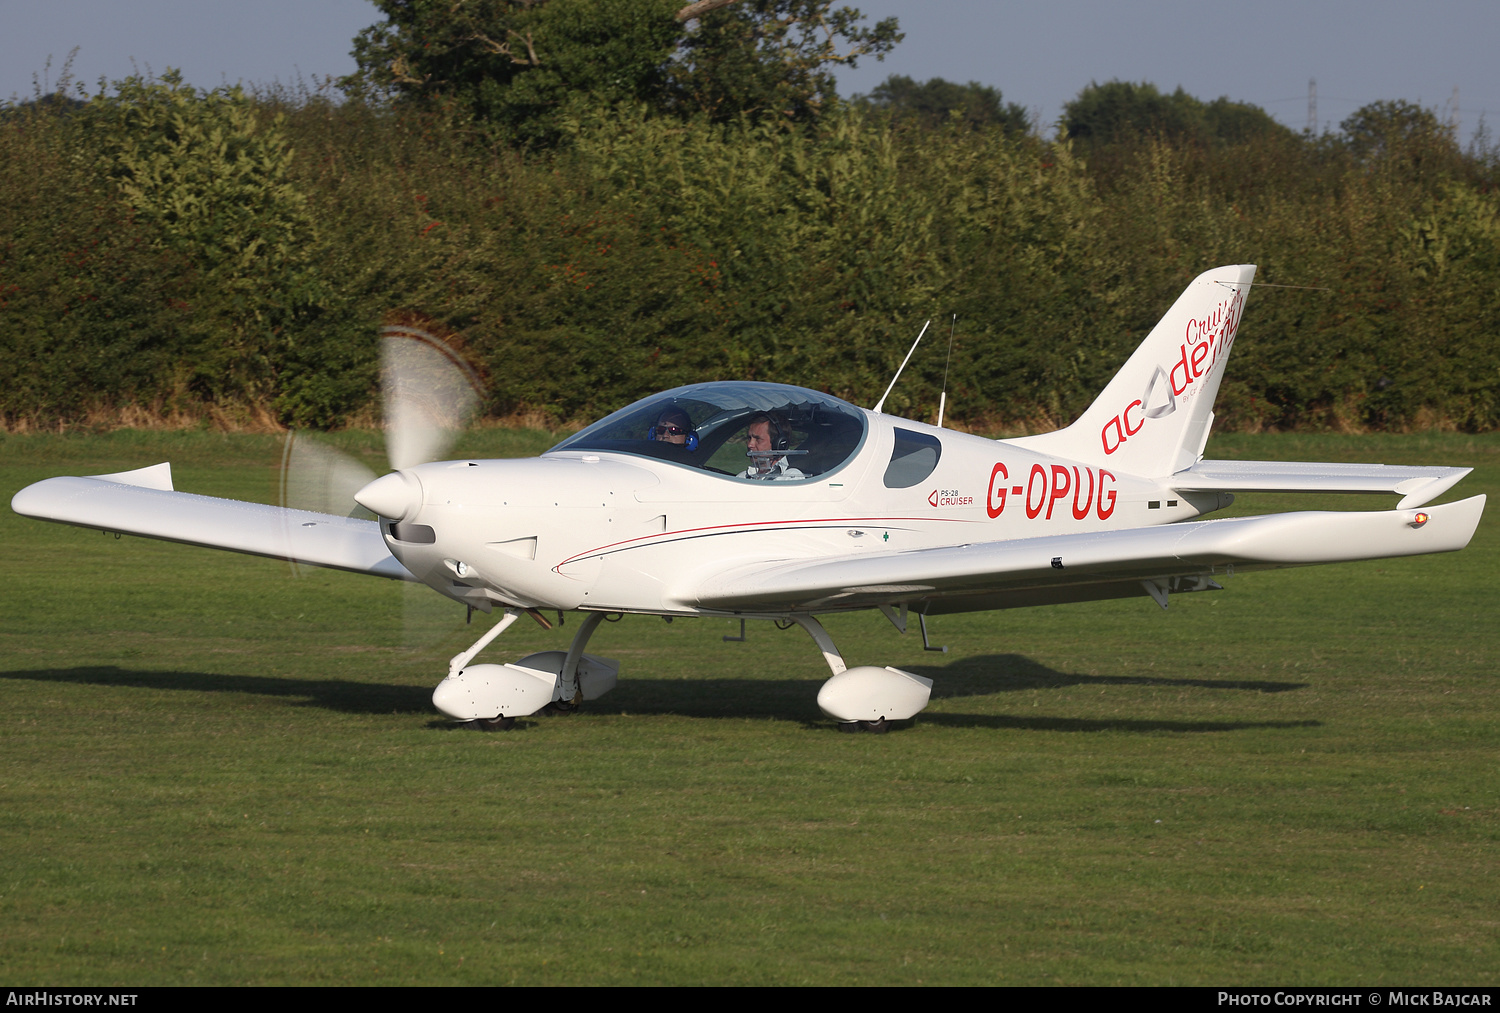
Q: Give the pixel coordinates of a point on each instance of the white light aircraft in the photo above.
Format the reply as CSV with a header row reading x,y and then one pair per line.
x,y
764,501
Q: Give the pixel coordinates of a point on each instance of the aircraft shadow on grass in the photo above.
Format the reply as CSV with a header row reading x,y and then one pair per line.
x,y
989,674
329,694
773,699
984,674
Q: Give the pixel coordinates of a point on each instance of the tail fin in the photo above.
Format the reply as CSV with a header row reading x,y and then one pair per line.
x,y
1153,418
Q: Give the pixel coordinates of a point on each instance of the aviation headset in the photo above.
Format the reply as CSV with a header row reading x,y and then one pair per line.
x,y
679,418
779,440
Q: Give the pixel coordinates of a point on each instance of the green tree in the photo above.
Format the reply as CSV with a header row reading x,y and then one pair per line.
x,y
1387,129
205,170
1122,111
932,103
206,176
1403,142
527,66
1125,113
772,59
516,63
1234,123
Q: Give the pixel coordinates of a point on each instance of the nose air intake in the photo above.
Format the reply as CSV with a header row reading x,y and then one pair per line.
x,y
395,496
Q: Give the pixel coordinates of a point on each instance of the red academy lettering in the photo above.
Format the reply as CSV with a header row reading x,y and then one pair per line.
x,y
1110,448
1203,342
1187,373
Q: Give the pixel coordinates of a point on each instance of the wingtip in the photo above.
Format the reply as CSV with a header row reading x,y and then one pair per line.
x,y
28,502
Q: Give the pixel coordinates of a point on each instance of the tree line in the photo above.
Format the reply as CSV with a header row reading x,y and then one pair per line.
x,y
587,232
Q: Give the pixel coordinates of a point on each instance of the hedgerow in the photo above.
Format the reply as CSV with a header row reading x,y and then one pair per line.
x,y
231,255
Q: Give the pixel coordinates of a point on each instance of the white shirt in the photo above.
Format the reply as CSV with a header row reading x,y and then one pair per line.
x,y
780,471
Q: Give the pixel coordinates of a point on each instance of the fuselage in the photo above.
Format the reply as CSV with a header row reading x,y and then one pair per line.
x,y
601,523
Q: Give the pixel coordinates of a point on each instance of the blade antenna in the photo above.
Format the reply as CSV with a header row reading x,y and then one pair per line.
x,y
943,397
881,403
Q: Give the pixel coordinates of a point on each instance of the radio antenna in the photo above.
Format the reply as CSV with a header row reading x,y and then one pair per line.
x,y
943,397
881,403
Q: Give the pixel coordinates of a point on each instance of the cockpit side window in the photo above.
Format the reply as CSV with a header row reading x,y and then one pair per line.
x,y
913,459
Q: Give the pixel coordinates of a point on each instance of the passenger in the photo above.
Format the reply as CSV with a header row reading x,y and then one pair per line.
x,y
766,445
674,426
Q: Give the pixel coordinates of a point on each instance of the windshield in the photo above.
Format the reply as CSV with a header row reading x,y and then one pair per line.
x,y
743,430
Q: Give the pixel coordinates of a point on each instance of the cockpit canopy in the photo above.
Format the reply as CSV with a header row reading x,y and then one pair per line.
x,y
705,426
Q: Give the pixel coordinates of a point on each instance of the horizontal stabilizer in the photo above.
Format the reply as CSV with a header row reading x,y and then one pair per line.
x,y
143,503
1415,485
1093,565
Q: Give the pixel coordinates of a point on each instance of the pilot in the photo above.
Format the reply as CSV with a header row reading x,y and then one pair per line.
x,y
766,445
674,426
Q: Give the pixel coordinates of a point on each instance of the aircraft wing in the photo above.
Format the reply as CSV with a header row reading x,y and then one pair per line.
x,y
1083,567
1415,485
144,503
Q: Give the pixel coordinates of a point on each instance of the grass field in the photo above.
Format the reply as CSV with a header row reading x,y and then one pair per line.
x,y
214,772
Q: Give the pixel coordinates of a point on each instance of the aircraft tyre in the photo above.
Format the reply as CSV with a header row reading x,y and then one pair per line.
x,y
879,727
499,723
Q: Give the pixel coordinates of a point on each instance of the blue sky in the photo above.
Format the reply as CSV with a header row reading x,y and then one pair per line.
x,y
1039,55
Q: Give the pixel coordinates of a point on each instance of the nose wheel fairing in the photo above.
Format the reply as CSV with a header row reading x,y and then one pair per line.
x,y
521,688
492,692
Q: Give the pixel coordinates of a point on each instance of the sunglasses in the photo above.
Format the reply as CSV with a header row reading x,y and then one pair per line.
x,y
670,431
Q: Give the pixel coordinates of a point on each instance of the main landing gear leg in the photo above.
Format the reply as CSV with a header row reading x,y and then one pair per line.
x,y
571,695
864,698
835,662
825,643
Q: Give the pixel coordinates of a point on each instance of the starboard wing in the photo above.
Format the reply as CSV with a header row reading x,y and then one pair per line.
x,y
144,503
1082,567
